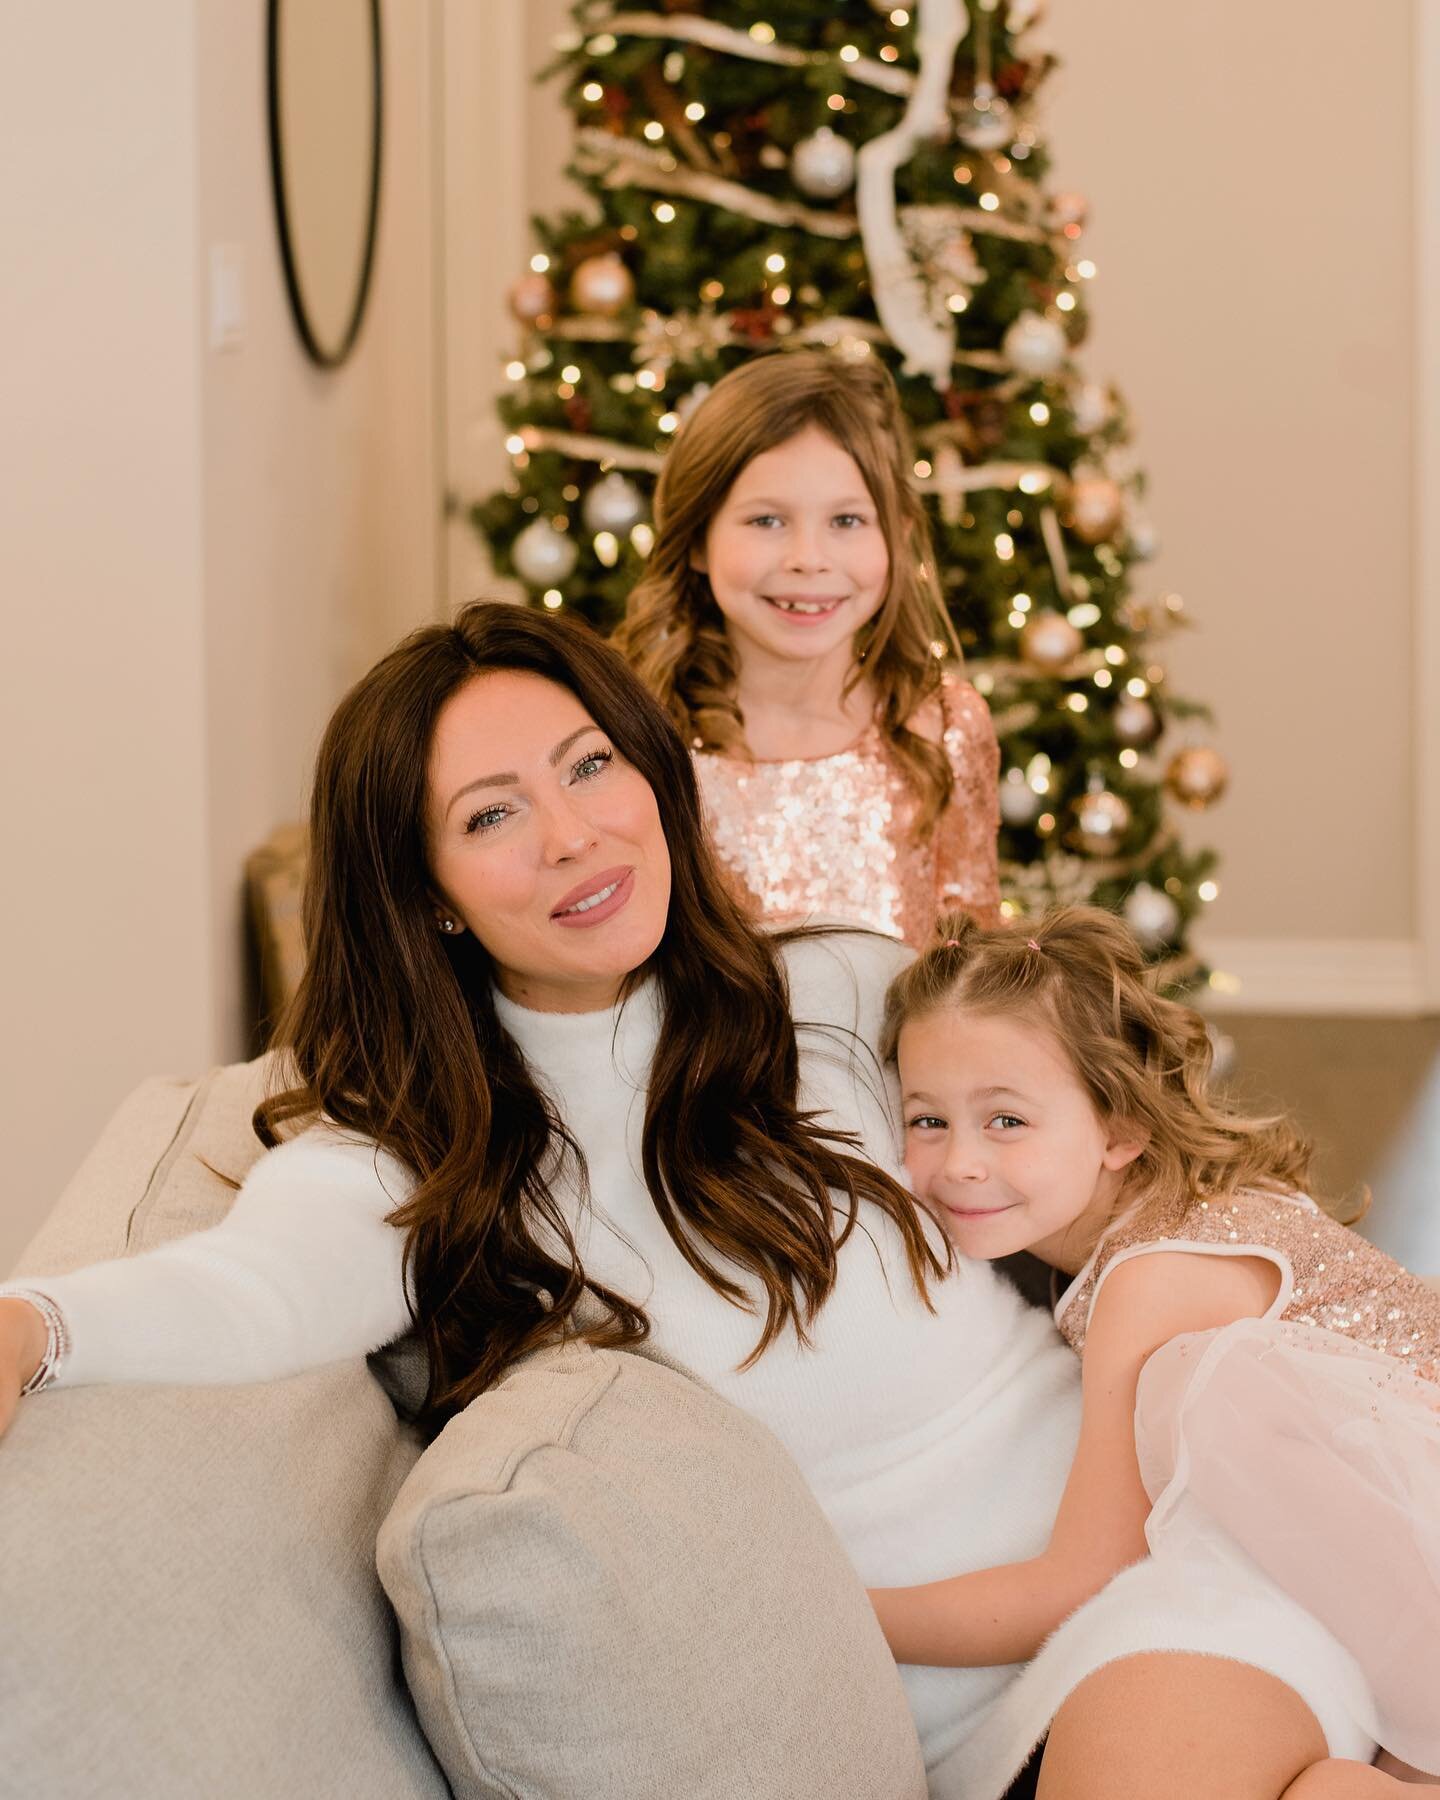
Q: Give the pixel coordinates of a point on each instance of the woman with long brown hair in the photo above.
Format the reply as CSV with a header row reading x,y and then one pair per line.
x,y
547,1081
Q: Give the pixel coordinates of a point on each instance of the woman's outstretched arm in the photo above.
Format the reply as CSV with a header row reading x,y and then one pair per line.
x,y
303,1270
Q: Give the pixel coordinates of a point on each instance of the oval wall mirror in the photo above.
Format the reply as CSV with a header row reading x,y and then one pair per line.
x,y
324,82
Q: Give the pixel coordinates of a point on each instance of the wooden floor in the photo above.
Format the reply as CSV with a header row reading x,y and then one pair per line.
x,y
1367,1093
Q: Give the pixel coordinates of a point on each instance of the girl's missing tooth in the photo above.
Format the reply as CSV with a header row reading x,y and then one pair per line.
x,y
790,621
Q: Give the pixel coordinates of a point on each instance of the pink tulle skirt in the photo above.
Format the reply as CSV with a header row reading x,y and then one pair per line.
x,y
1319,1461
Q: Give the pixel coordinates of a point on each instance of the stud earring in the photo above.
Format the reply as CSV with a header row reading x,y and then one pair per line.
x,y
447,924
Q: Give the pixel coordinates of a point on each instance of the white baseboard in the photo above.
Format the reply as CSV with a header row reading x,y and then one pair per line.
x,y
1375,976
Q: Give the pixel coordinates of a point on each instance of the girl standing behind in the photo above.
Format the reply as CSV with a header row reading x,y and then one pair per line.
x,y
1288,1410
790,621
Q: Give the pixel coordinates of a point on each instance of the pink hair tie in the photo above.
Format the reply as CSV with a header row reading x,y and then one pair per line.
x,y
1030,944
951,944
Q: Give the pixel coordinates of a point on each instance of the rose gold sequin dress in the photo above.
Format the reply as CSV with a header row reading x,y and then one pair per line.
x,y
834,836
1306,1441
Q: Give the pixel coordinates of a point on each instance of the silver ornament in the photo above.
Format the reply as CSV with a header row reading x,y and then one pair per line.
x,y
1223,1054
1091,407
823,165
985,121
1019,803
1035,345
1101,821
1134,722
542,555
614,503
1152,915
1142,539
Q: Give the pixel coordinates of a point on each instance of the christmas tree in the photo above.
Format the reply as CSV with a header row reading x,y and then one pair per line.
x,y
764,173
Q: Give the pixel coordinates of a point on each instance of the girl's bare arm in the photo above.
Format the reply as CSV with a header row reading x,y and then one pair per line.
x,y
1004,1614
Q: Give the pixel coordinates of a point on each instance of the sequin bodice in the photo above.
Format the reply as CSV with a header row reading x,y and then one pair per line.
x,y
1329,1275
835,835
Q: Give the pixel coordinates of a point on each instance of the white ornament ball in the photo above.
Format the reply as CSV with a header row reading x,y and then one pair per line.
x,y
1049,641
1152,915
1091,407
1096,508
1035,345
1019,803
543,556
602,284
985,122
1101,821
823,165
1135,723
614,503
1143,539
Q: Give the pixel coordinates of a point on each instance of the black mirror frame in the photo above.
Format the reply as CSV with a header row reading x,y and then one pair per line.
x,y
326,359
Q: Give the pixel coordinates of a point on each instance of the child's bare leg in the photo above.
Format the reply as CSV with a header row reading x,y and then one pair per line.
x,y
1335,1779
1173,1726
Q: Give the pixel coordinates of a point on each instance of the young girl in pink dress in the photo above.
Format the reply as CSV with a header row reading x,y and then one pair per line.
x,y
1260,1384
790,622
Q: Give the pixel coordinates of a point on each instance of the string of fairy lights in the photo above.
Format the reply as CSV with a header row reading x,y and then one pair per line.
x,y
604,379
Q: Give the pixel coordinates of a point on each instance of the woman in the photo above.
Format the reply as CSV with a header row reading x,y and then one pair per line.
x,y
543,1060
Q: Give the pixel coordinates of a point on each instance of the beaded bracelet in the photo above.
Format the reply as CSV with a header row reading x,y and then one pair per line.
x,y
57,1336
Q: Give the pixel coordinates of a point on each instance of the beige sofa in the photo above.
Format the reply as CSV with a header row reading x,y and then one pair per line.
x,y
601,1579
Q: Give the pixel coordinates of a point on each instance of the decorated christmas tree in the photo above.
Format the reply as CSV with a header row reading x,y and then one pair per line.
x,y
766,173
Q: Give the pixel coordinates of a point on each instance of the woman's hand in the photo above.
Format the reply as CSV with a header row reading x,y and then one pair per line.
x,y
22,1344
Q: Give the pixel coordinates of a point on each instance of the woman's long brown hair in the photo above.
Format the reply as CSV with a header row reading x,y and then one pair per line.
x,y
394,1034
673,634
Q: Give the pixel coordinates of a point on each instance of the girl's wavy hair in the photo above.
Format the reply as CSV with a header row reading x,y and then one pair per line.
x,y
394,1034
673,634
1143,1060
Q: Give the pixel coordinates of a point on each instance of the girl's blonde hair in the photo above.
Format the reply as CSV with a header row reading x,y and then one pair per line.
x,y
1143,1060
673,634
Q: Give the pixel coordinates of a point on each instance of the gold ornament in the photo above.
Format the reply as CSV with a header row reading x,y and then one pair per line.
x,y
602,284
1135,722
1197,777
533,299
1101,821
1096,508
1049,641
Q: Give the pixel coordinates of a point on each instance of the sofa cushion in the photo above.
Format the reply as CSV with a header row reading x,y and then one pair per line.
x,y
612,1583
187,1577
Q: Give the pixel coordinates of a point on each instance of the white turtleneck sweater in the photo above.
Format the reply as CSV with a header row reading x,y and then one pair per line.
x,y
935,1442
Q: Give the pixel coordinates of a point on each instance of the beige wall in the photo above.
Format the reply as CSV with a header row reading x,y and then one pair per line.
x,y
1250,173
201,548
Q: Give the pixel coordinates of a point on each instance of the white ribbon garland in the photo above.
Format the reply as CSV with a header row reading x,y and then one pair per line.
x,y
592,449
901,297
626,162
687,29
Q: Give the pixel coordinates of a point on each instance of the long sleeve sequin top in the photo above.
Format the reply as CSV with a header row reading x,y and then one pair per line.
x,y
1329,1275
835,836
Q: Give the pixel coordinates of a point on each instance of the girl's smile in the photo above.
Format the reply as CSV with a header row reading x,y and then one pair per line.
x,y
795,554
